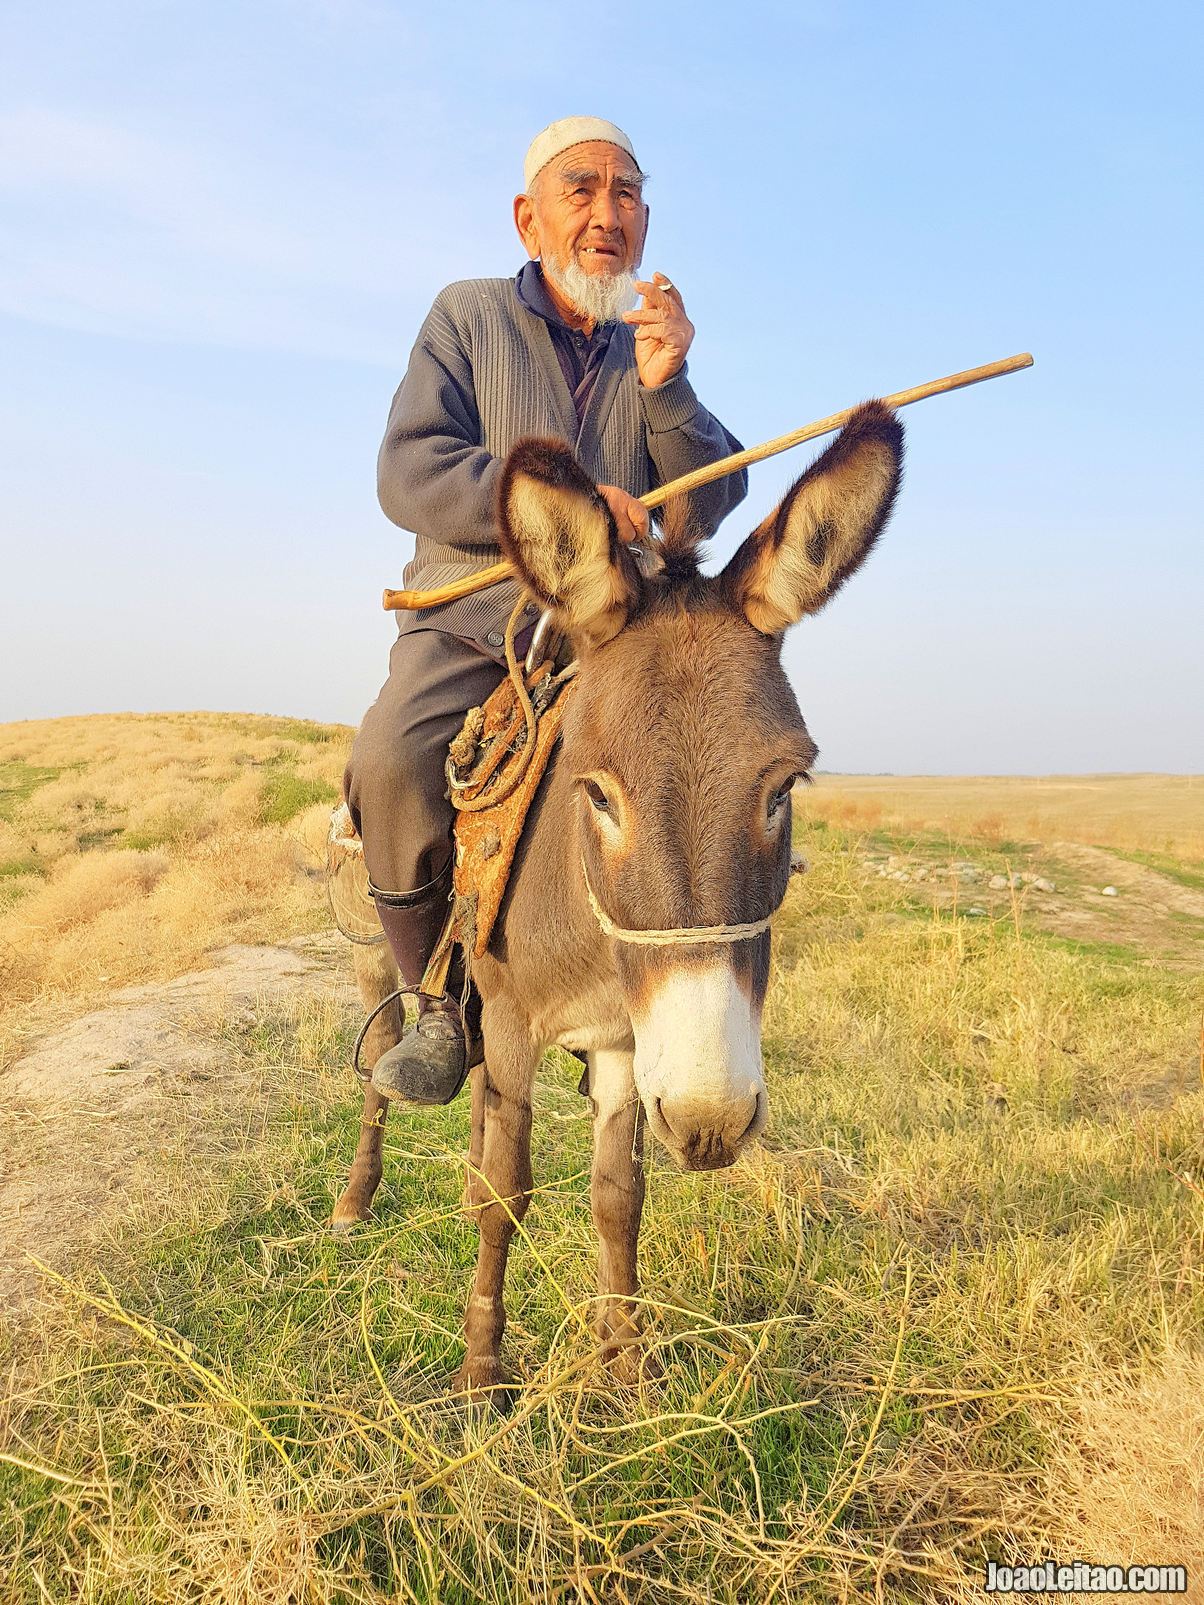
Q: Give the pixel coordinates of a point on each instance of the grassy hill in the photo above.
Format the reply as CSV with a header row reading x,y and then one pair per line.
x,y
952,1309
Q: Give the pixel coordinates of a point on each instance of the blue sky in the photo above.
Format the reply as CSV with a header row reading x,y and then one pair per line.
x,y
221,225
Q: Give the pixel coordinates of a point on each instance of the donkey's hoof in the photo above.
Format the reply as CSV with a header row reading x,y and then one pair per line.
x,y
483,1384
349,1212
630,1363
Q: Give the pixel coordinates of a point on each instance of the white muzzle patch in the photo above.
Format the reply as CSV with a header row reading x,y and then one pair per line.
x,y
698,1065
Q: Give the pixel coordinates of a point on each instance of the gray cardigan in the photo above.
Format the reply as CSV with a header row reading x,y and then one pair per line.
x,y
484,373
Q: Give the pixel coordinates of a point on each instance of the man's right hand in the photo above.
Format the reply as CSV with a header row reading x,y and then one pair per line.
x,y
629,513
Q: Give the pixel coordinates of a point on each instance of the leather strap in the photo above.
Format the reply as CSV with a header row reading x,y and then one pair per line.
x,y
412,899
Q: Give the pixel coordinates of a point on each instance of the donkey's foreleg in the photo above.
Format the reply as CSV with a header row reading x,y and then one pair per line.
x,y
476,1142
499,1191
617,1199
376,976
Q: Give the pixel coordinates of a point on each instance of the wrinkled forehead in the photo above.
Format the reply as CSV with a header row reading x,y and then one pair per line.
x,y
596,162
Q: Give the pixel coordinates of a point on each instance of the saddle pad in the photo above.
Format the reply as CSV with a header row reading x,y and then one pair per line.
x,y
487,840
351,905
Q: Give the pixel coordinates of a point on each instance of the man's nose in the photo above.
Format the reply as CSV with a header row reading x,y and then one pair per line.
x,y
605,216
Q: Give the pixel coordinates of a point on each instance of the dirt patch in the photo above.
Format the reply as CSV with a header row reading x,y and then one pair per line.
x,y
90,1111
1150,911
1160,892
1088,894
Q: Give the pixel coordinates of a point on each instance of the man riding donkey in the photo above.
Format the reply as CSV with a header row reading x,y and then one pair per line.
x,y
556,351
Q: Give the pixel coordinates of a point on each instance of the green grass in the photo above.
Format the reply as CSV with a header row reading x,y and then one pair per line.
x,y
18,876
102,836
925,844
14,867
172,829
19,781
308,731
876,1333
1111,952
939,847
285,795
1190,875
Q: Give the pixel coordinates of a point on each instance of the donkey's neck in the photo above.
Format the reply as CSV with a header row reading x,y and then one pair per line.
x,y
553,961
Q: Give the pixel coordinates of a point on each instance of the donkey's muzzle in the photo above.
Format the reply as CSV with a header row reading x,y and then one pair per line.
x,y
698,1065
703,1136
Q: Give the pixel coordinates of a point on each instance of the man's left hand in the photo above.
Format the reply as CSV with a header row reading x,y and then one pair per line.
x,y
663,332
630,515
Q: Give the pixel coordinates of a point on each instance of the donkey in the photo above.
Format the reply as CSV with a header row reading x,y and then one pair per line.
x,y
635,925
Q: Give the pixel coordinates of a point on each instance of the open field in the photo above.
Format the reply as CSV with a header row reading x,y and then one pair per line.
x,y
130,846
953,1309
1149,814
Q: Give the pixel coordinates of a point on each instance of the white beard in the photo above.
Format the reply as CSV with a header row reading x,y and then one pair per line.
x,y
601,297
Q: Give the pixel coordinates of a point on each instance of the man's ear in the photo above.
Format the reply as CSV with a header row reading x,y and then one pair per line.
x,y
559,534
524,222
825,527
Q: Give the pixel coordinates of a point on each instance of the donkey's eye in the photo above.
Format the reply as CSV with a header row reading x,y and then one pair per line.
x,y
781,797
597,796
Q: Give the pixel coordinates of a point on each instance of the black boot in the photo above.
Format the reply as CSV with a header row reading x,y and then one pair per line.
x,y
430,1063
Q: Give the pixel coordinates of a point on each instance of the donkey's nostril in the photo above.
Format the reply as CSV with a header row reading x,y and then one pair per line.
x,y
753,1118
682,1119
742,1117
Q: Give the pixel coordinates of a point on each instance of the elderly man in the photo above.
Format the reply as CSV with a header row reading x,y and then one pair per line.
x,y
558,350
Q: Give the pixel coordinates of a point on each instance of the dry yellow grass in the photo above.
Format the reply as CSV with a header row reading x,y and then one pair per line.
x,y
1131,1480
1153,813
132,845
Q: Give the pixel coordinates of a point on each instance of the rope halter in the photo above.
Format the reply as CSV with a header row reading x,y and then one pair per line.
x,y
688,934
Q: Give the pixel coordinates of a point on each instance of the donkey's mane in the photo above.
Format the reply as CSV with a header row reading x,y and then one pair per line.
x,y
677,588
683,542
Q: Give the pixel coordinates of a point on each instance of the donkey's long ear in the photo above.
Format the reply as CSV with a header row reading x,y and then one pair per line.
x,y
826,526
559,534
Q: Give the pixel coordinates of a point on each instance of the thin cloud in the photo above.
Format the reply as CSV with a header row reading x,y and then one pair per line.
x,y
120,230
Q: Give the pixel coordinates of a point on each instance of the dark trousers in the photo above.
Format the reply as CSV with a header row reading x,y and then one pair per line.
x,y
395,782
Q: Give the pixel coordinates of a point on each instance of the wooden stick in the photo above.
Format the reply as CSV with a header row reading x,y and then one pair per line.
x,y
452,592
719,470
826,426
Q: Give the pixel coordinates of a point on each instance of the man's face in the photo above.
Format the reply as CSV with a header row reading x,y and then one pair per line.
x,y
586,207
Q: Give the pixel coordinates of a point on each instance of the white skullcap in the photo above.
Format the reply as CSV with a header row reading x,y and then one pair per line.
x,y
558,136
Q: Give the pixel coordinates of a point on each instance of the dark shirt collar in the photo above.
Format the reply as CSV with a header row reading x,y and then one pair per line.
x,y
533,293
